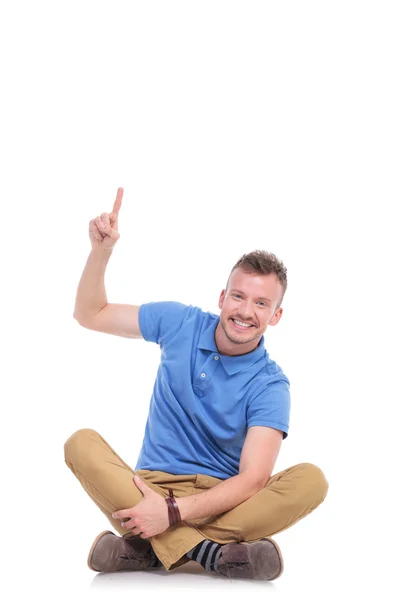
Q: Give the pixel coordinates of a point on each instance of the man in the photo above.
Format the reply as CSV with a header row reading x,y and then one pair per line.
x,y
218,414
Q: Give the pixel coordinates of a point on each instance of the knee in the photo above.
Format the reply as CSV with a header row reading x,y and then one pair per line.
x,y
77,445
316,481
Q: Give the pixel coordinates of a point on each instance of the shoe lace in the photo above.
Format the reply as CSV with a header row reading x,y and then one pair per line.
x,y
129,558
238,564
135,559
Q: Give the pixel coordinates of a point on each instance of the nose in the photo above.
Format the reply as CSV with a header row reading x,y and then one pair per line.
x,y
246,311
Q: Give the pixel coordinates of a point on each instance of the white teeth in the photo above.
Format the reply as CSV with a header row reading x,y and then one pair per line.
x,y
241,323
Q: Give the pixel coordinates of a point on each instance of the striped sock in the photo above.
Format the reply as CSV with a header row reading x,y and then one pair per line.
x,y
207,554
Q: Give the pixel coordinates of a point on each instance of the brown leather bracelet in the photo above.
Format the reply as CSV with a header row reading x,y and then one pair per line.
x,y
173,510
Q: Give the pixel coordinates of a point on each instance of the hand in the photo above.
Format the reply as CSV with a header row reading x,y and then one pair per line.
x,y
103,230
147,518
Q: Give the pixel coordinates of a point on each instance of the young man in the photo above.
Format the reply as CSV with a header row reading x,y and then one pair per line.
x,y
218,414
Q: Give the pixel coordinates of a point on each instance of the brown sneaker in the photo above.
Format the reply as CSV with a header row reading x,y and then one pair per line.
x,y
251,560
110,553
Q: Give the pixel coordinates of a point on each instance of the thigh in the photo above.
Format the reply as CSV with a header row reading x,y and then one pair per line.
x,y
106,477
288,496
181,485
86,448
102,472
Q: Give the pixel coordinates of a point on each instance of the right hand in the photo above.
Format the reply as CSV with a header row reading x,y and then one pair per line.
x,y
103,230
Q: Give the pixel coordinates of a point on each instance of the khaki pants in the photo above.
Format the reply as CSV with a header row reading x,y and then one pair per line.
x,y
288,497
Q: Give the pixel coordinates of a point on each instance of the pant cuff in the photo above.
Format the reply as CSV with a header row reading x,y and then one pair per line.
x,y
176,557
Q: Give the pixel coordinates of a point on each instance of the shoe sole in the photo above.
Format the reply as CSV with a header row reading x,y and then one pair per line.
x,y
89,560
278,551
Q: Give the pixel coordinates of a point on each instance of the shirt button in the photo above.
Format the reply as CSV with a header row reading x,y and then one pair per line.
x,y
203,374
216,357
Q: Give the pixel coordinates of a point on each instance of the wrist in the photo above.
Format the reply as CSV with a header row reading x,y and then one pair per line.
x,y
100,252
182,506
174,515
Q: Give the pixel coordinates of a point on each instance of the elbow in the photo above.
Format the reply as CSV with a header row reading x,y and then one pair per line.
x,y
79,319
261,482
264,482
254,482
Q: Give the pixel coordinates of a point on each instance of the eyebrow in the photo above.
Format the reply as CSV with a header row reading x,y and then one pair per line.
x,y
240,292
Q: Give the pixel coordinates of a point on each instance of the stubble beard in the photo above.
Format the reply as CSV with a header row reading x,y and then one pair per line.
x,y
238,340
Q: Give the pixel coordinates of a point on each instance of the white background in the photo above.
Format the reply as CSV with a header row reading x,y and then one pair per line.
x,y
231,126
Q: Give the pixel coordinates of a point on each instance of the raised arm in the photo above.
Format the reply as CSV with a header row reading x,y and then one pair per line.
x,y
91,307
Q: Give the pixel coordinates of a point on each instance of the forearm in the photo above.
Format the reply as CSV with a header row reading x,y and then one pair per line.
x,y
91,295
219,499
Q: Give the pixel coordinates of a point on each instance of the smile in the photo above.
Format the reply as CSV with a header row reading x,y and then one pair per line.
x,y
240,325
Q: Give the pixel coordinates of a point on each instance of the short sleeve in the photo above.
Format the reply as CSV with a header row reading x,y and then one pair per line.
x,y
271,407
160,321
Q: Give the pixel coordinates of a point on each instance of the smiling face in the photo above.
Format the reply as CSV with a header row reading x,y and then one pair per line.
x,y
251,299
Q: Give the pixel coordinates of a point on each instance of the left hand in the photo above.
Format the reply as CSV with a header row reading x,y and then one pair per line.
x,y
147,518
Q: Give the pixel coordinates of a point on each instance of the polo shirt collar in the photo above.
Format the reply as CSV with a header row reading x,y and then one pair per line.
x,y
231,364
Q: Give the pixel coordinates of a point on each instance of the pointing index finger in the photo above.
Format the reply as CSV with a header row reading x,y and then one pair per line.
x,y
118,201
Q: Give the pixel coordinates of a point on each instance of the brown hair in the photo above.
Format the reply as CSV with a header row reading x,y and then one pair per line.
x,y
263,263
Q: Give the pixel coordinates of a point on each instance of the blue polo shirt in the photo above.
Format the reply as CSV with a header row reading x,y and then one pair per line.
x,y
203,402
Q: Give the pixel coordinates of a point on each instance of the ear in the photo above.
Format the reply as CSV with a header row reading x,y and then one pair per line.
x,y
276,318
221,298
